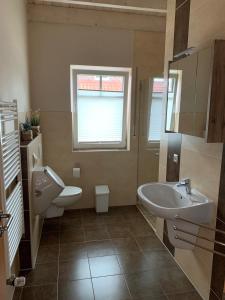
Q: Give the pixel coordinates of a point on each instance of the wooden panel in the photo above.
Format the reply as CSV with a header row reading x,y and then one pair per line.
x,y
181,27
25,255
166,240
218,269
174,147
216,121
179,3
25,244
172,174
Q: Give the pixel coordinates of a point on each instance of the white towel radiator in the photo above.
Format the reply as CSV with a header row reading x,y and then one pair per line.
x,y
10,181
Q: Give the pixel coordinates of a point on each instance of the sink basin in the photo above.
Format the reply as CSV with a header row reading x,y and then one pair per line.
x,y
167,200
170,202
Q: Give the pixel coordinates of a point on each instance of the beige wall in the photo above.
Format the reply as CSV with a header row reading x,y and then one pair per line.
x,y
199,161
14,83
62,36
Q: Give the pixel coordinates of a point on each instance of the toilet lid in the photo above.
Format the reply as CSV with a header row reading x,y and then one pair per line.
x,y
54,176
70,191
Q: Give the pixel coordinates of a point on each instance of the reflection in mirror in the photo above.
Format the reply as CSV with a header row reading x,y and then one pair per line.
x,y
150,126
173,101
188,89
155,110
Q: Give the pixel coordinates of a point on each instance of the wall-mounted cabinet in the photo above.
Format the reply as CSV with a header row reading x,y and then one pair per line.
x,y
196,94
181,26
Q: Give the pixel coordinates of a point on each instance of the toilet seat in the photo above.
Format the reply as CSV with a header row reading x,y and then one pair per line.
x,y
68,196
70,191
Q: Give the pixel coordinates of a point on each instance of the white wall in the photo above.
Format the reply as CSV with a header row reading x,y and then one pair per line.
x,y
54,47
14,81
58,40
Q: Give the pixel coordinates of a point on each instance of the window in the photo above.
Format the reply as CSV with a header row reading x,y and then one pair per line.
x,y
155,111
100,106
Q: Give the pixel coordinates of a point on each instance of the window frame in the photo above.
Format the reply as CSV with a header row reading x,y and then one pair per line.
x,y
76,70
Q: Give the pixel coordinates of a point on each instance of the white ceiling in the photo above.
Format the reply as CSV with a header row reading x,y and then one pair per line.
x,y
157,7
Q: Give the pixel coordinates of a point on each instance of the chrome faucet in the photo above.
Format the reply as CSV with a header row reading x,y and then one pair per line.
x,y
187,183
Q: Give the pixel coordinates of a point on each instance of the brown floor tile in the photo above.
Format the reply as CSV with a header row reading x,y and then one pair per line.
x,y
133,262
149,243
97,234
144,285
125,245
70,224
104,247
49,238
128,209
73,270
133,217
114,211
174,281
114,219
52,224
43,275
160,259
186,296
141,229
152,298
72,213
76,290
48,254
71,251
89,217
94,220
100,248
110,288
119,230
104,266
44,292
88,212
72,236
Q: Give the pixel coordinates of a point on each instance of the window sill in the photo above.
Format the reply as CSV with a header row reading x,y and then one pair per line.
x,y
153,145
101,150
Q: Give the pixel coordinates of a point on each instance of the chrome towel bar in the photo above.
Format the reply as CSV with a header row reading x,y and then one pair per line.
x,y
200,225
177,237
198,236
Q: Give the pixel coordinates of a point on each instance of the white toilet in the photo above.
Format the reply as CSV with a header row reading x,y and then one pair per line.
x,y
50,195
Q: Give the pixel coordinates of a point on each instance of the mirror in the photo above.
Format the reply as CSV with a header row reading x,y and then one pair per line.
x,y
187,94
150,98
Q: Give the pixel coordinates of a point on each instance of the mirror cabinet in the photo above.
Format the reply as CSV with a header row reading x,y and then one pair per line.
x,y
196,94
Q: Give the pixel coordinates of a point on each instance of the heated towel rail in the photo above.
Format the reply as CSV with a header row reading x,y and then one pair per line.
x,y
10,181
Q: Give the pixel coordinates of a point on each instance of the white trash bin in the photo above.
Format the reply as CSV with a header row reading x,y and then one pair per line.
x,y
102,198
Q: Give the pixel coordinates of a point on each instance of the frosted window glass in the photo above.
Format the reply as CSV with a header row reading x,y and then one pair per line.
x,y
155,116
100,116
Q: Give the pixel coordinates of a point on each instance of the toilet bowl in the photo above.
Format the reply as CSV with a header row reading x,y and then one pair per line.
x,y
50,195
66,198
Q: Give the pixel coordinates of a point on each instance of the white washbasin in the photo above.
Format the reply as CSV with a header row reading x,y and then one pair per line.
x,y
170,202
167,200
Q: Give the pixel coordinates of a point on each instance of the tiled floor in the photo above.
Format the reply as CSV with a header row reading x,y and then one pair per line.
x,y
116,256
